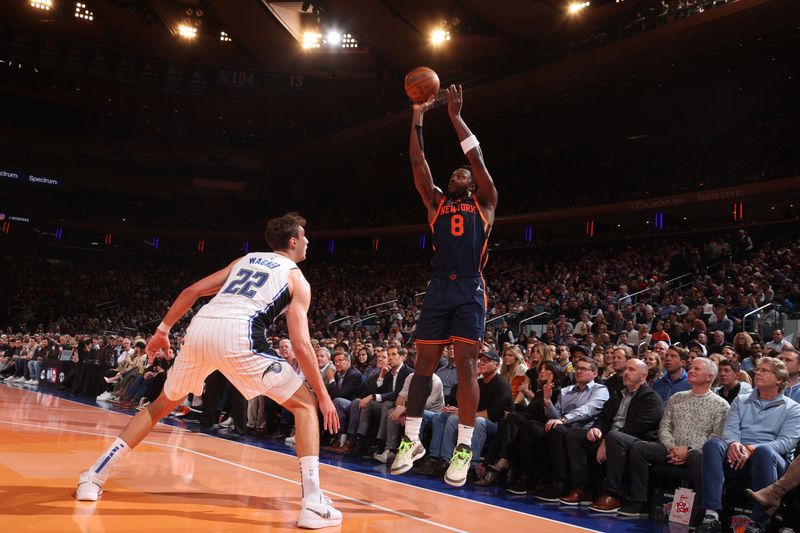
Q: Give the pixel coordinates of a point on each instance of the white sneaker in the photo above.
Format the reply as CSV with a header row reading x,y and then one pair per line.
x,y
317,517
32,382
382,457
89,488
104,397
228,422
19,379
407,453
290,441
456,474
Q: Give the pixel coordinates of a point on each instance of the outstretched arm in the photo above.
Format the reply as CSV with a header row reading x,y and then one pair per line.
x,y
423,181
207,286
486,193
297,322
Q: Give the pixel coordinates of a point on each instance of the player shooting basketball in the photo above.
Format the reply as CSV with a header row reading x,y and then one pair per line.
x,y
455,303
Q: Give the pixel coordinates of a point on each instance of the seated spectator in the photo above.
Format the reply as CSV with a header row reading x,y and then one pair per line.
x,y
513,370
659,334
493,403
397,417
675,377
449,376
343,385
761,432
778,342
729,385
655,368
690,419
368,392
388,388
749,364
506,449
790,359
620,357
719,321
577,406
631,414
717,342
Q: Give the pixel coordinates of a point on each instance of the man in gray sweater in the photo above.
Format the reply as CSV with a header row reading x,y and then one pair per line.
x,y
690,419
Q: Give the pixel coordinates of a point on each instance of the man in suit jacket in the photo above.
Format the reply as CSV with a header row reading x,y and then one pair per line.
x,y
343,382
389,387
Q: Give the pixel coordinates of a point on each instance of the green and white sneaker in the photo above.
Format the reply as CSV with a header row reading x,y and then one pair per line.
x,y
407,453
456,474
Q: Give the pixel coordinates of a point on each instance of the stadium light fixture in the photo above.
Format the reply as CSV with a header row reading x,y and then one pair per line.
x,y
576,7
187,32
82,11
439,36
312,39
44,5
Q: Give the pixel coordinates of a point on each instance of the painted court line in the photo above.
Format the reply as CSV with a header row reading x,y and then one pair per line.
x,y
244,467
431,491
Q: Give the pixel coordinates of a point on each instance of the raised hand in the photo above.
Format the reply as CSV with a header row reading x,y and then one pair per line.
x,y
455,99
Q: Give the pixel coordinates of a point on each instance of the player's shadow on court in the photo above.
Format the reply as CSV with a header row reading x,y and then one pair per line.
x,y
48,501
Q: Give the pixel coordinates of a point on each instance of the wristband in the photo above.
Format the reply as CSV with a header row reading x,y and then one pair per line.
x,y
469,143
163,328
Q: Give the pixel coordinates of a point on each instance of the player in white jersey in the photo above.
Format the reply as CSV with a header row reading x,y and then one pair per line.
x,y
229,335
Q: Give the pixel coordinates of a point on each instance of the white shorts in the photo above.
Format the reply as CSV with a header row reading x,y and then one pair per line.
x,y
224,344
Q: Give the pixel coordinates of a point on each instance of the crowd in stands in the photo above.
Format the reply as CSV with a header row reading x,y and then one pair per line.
x,y
644,358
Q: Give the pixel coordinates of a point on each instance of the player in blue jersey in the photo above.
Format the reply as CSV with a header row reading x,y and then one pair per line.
x,y
455,303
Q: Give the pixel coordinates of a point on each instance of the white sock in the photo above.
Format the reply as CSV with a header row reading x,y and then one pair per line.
x,y
106,463
309,480
715,514
413,425
464,435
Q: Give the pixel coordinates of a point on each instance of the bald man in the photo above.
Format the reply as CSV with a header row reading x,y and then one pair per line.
x,y
634,411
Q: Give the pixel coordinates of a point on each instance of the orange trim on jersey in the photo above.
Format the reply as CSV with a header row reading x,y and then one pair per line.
x,y
480,212
485,296
462,339
438,208
444,341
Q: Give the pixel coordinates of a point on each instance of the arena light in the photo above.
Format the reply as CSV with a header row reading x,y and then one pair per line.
x,y
224,37
576,7
83,12
45,5
439,36
312,39
348,41
187,32
333,38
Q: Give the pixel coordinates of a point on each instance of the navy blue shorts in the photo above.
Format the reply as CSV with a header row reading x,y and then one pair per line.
x,y
454,309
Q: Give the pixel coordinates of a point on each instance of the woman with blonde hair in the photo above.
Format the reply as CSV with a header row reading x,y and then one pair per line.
x,y
742,343
513,370
655,367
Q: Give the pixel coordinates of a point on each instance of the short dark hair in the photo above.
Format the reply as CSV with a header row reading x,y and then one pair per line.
x,y
280,230
733,364
682,352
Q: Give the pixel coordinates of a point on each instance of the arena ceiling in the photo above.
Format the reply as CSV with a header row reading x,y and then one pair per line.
x,y
391,35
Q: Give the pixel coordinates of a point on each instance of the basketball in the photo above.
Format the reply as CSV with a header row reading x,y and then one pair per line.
x,y
421,83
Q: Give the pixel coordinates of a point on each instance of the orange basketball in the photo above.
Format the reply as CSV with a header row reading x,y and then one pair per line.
x,y
421,83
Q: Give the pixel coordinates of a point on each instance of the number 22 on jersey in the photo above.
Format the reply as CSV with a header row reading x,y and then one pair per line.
x,y
243,285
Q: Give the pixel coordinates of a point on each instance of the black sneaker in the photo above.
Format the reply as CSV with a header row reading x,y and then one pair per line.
x,y
709,525
519,487
634,509
550,493
754,527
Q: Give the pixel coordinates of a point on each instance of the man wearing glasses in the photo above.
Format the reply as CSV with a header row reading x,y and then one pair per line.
x,y
760,433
